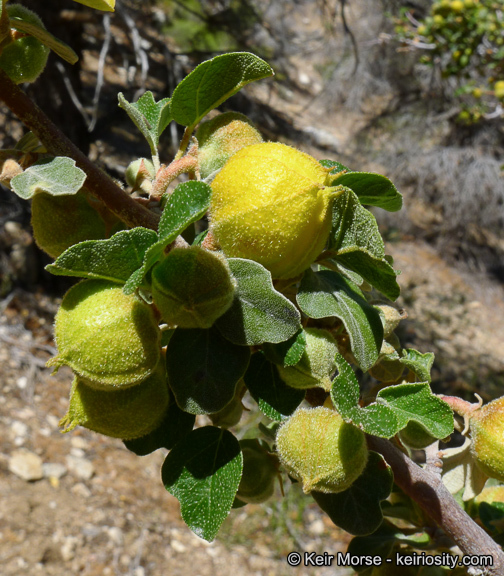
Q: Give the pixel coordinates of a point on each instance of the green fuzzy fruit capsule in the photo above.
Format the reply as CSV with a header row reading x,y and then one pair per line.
x,y
192,287
221,137
259,473
24,59
317,362
318,448
125,414
59,222
108,338
487,433
271,203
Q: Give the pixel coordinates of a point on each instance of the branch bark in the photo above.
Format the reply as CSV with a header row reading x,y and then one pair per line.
x,y
428,490
97,182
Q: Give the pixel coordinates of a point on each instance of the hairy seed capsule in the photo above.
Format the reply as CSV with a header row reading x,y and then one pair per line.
x,y
108,338
487,433
222,137
318,448
317,362
24,59
259,473
192,287
270,203
125,414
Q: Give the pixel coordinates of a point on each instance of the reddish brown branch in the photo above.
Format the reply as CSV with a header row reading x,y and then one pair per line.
x,y
56,143
430,493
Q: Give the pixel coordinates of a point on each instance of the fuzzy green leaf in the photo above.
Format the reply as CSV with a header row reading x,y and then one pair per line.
x,y
275,399
55,44
259,313
372,189
56,176
357,510
114,259
417,403
175,425
213,82
203,369
287,353
375,419
326,293
187,203
356,243
203,471
418,363
149,116
105,5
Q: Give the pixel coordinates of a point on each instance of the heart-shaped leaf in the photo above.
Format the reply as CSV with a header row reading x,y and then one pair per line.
x,y
56,176
149,116
114,259
213,82
375,419
275,399
357,510
203,471
259,313
372,189
327,293
203,369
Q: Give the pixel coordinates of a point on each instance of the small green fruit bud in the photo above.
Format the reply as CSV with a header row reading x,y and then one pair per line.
x,y
271,204
139,175
192,287
108,338
390,318
221,137
317,362
24,59
416,436
259,473
318,448
125,414
487,433
59,222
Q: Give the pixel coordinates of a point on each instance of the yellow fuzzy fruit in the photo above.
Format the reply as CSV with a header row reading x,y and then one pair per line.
x,y
499,89
457,5
192,287
318,448
259,472
222,137
271,204
487,434
108,338
24,59
124,414
59,222
317,363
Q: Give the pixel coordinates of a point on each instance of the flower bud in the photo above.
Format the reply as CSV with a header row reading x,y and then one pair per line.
x,y
317,362
24,59
270,203
390,318
318,448
108,338
487,434
126,414
259,473
192,287
139,174
219,138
